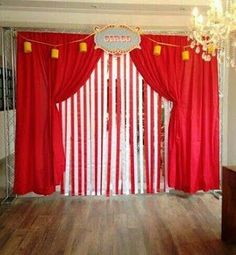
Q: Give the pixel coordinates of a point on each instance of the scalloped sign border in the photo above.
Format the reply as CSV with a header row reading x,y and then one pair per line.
x,y
117,39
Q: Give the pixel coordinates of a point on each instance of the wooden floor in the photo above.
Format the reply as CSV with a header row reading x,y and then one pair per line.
x,y
162,224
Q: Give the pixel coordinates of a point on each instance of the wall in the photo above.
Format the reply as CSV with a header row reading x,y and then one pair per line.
x,y
85,15
224,77
231,134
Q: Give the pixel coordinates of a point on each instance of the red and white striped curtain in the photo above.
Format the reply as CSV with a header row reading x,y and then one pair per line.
x,y
115,131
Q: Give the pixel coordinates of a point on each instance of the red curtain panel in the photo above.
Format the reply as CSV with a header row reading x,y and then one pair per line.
x,y
192,86
42,82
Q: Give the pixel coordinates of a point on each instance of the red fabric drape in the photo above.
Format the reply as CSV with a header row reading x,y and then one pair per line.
x,y
192,86
41,83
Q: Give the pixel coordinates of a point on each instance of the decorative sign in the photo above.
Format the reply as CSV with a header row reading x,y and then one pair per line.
x,y
117,39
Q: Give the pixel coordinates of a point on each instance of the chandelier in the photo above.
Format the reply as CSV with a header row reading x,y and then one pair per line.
x,y
214,31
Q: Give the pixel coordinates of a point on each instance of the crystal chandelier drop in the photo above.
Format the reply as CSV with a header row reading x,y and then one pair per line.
x,y
211,33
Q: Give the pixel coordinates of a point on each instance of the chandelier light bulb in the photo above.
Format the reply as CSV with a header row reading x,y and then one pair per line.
x,y
197,50
192,45
204,47
200,19
218,6
195,12
208,58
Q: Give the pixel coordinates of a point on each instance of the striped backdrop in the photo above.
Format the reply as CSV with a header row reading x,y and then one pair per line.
x,y
115,133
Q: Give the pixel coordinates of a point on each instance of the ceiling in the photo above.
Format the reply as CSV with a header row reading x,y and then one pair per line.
x,y
149,15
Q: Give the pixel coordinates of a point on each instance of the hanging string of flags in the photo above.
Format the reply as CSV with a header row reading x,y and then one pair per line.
x,y
113,39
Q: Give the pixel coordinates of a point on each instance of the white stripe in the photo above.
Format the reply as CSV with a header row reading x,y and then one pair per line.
x,y
167,119
135,128
114,126
119,151
127,149
155,101
105,140
63,112
92,134
76,161
149,130
63,122
68,147
89,154
122,125
140,110
99,156
81,99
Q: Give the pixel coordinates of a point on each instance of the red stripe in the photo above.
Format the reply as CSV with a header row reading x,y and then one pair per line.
x,y
118,119
137,97
96,129
146,138
138,127
131,128
90,118
85,140
72,169
102,107
159,144
151,146
109,127
79,145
